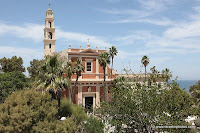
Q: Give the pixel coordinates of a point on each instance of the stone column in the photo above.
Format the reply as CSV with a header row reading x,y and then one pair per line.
x,y
80,95
46,24
98,96
46,35
70,59
97,68
52,24
80,58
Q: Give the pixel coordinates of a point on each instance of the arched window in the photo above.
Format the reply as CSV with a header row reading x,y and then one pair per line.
x,y
49,24
49,46
50,35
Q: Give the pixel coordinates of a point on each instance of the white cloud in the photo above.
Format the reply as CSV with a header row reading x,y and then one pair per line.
x,y
148,12
161,22
127,12
23,52
81,38
28,30
36,33
152,4
190,29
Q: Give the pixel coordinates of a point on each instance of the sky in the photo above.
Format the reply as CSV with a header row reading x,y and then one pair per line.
x,y
167,31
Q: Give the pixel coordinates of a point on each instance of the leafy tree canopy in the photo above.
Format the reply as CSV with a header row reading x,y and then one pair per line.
x,y
195,90
12,64
140,107
32,111
35,68
11,81
93,125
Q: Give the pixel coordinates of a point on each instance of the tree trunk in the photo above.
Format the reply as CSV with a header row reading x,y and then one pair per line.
x,y
58,99
70,91
111,69
105,88
145,74
70,94
74,90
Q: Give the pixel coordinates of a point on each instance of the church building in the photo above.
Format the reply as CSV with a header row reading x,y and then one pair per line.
x,y
89,91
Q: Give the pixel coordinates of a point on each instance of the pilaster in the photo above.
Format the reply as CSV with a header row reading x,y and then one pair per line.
x,y
97,68
80,95
97,96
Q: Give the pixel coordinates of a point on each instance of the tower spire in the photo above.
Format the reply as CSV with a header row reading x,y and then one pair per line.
x,y
49,33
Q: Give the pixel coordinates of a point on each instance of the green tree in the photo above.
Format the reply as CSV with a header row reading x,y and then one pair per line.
x,y
12,64
35,68
104,60
78,68
112,52
195,90
93,125
69,109
166,74
141,107
52,79
32,111
154,74
145,61
10,82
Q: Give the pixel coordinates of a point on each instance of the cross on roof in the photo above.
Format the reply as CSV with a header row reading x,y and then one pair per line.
x,y
49,5
88,40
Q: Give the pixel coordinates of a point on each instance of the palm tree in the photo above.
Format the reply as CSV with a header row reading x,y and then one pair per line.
x,y
69,72
51,78
155,74
78,68
112,52
104,60
166,74
145,61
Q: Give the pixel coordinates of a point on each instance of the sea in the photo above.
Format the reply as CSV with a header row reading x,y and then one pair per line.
x,y
185,84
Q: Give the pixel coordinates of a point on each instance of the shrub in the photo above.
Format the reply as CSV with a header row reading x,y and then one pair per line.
x,y
78,114
65,108
32,111
94,125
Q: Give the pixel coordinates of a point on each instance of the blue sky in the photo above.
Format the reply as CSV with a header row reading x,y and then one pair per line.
x,y
168,31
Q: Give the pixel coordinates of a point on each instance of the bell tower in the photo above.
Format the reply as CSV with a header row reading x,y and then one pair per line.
x,y
49,33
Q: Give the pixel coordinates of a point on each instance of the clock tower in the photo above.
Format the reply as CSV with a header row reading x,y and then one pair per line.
x,y
49,34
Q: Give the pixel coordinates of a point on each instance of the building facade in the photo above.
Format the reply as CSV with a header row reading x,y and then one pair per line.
x,y
90,87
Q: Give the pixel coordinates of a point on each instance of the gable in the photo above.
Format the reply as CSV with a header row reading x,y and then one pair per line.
x,y
89,51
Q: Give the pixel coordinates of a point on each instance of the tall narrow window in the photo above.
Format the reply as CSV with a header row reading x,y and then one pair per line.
x,y
50,35
49,24
49,46
88,66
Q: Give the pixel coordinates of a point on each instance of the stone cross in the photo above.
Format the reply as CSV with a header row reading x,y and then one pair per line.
x,y
88,40
49,5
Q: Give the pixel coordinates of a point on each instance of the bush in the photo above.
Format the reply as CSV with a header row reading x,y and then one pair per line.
x,y
69,109
67,126
32,111
78,114
94,125
65,108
